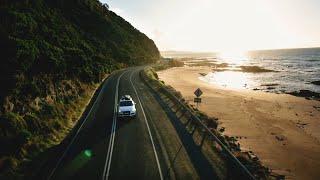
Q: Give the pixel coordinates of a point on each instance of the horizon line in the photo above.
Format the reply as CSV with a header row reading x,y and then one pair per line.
x,y
267,49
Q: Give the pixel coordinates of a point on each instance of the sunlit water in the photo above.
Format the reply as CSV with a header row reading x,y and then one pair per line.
x,y
296,69
230,79
233,57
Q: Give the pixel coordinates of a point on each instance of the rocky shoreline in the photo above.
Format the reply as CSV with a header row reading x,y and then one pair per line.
x,y
268,87
306,94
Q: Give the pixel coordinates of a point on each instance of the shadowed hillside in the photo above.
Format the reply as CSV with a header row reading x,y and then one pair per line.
x,y
53,54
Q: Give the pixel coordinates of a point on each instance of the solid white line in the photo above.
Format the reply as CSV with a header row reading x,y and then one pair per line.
x,y
112,135
74,137
145,118
109,164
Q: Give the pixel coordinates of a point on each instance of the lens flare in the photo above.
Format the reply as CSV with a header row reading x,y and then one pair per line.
x,y
88,153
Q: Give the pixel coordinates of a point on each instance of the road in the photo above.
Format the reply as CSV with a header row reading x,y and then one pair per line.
x,y
104,147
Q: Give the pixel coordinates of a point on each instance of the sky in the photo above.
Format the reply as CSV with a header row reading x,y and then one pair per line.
x,y
224,25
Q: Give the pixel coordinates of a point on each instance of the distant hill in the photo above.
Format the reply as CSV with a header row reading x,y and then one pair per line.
x,y
183,54
52,52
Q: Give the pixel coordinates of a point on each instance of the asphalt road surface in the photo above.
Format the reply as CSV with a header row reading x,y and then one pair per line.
x,y
105,147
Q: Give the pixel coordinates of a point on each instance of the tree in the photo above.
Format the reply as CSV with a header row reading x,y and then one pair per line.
x,y
105,5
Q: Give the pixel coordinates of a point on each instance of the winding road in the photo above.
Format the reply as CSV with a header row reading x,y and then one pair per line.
x,y
104,147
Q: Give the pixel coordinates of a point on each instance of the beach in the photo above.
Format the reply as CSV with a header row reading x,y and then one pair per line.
x,y
281,129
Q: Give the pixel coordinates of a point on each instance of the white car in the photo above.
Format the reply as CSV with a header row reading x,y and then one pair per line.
x,y
127,107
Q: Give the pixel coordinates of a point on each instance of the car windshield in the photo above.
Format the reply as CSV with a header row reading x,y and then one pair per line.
x,y
126,103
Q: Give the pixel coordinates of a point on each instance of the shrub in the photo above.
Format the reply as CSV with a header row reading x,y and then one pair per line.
x,y
11,124
27,53
23,137
33,122
48,110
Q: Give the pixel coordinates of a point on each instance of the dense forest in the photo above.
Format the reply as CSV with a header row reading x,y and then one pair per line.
x,y
52,52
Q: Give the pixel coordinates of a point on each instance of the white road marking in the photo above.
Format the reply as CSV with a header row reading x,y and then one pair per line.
x,y
107,164
75,136
146,121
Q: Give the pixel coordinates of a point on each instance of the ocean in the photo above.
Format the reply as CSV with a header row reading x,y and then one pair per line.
x,y
278,71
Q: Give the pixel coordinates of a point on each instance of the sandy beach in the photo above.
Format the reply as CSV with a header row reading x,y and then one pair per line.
x,y
282,130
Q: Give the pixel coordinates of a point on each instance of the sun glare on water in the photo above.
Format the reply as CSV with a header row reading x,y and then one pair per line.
x,y
233,57
228,77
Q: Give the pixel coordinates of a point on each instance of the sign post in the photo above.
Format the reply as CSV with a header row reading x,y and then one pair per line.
x,y
197,99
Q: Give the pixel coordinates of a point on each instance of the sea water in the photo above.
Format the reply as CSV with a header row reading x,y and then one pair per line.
x,y
294,70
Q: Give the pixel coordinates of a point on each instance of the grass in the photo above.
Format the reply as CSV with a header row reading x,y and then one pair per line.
x,y
28,135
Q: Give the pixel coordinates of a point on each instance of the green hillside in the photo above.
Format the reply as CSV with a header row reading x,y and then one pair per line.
x,y
53,55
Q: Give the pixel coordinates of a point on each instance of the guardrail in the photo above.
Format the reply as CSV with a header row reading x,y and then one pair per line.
x,y
243,172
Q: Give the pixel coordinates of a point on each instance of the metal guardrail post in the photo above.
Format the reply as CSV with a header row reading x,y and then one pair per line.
x,y
204,136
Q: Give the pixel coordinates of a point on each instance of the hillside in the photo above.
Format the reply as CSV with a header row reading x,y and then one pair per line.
x,y
53,55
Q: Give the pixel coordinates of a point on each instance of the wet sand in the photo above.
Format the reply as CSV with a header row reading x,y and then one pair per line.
x,y
281,129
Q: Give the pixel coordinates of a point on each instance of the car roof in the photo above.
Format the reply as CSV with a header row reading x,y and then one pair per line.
x,y
126,98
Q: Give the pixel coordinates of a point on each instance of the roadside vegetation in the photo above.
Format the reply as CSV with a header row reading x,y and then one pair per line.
x,y
166,63
53,55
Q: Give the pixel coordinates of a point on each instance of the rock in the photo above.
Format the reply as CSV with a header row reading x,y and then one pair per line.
x,y
316,82
301,124
306,94
254,69
254,158
280,137
270,84
317,107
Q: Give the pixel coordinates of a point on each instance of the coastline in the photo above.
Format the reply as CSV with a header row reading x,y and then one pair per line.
x,y
281,129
